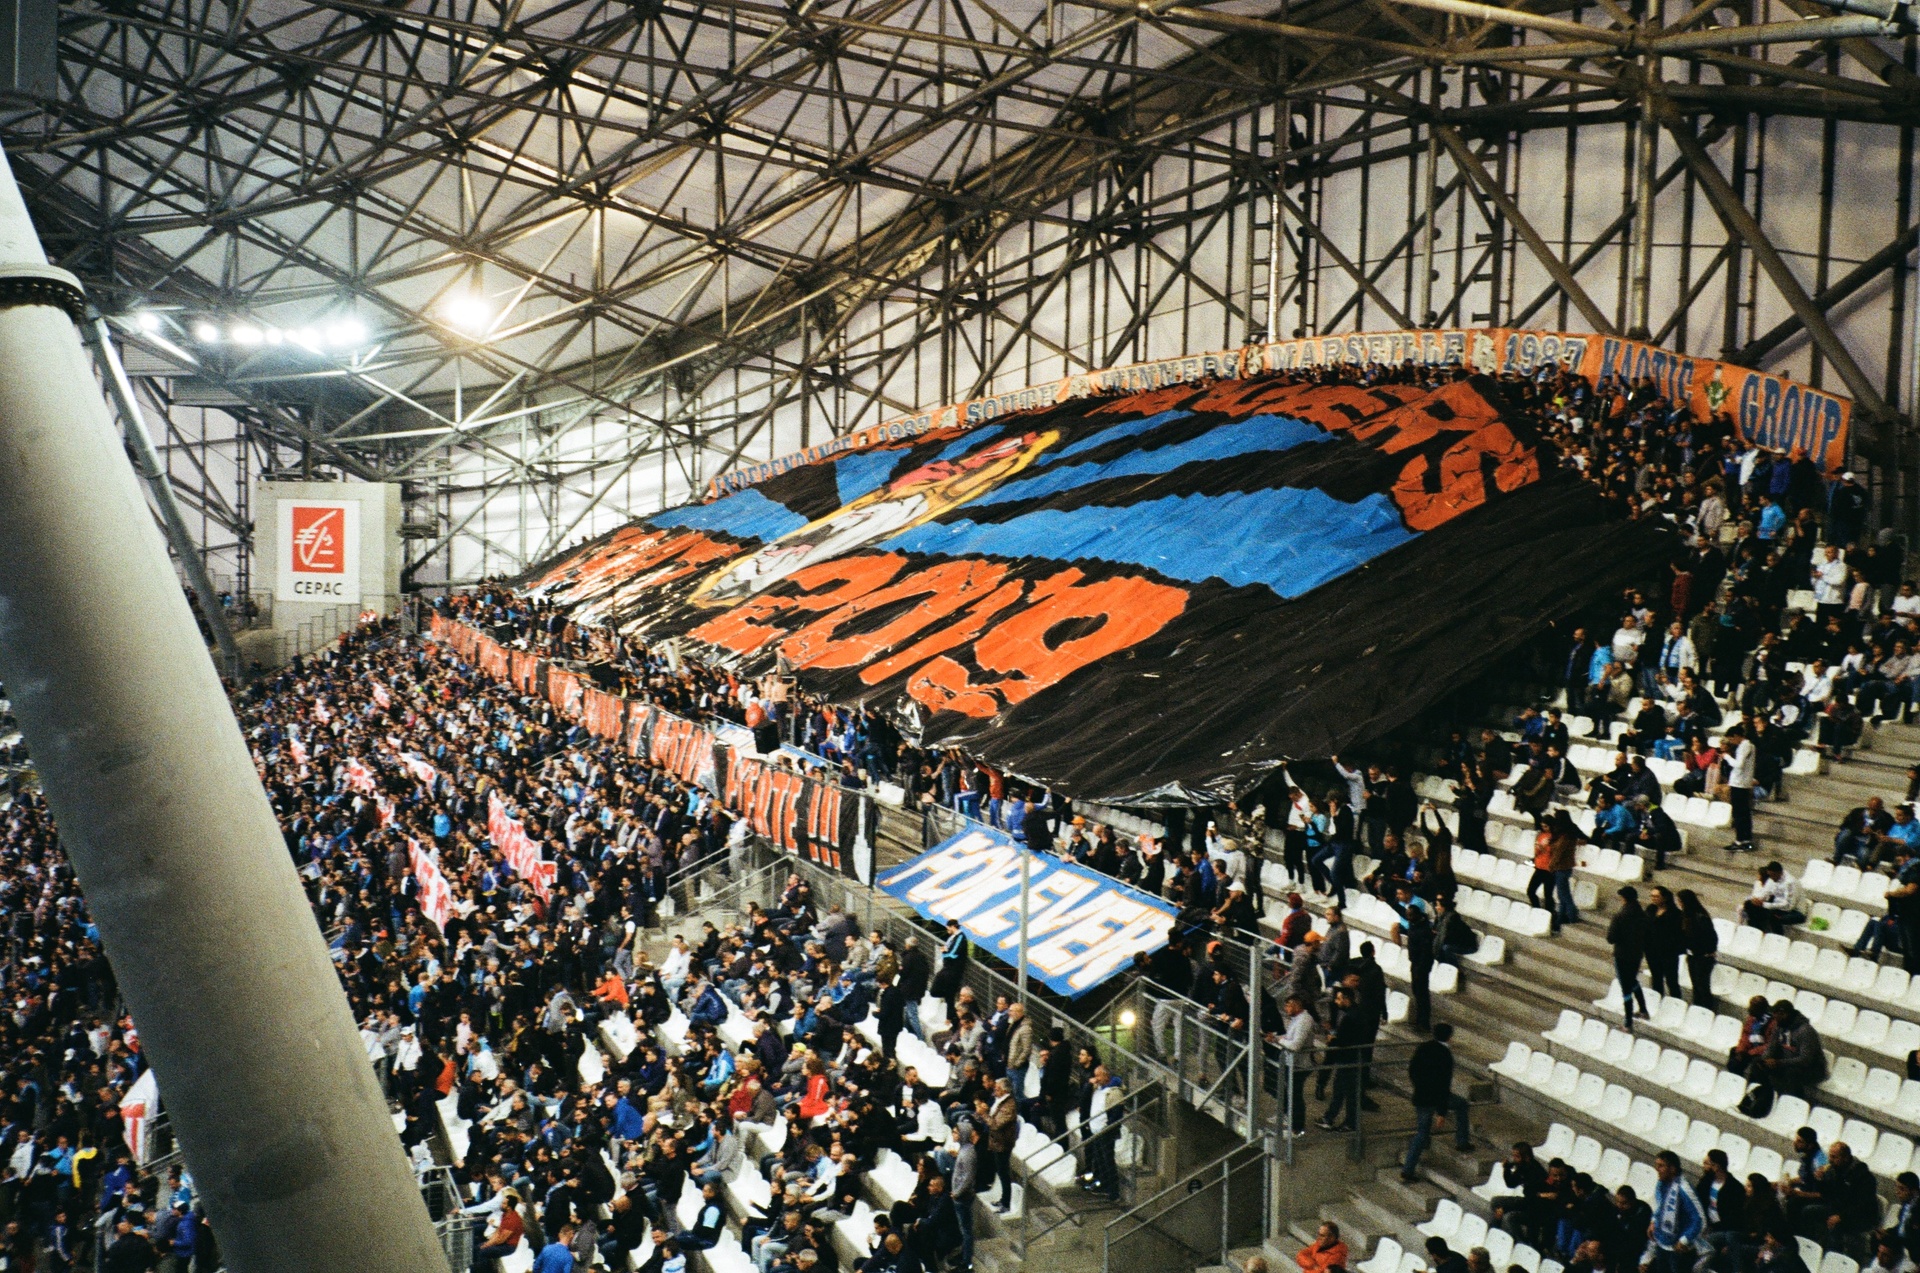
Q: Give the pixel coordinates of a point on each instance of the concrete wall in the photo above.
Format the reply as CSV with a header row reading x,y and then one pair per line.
x,y
379,556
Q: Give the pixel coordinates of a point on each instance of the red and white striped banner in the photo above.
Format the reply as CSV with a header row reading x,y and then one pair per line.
x,y
436,898
513,843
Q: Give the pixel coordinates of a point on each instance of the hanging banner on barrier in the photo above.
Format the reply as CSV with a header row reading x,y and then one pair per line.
x,y
819,821
513,843
684,749
1770,411
566,691
603,713
435,897
1082,926
831,825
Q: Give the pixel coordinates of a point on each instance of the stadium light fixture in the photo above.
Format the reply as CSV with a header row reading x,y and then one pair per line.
x,y
206,333
147,321
467,312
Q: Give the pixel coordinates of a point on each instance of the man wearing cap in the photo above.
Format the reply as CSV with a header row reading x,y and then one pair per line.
x,y
1846,510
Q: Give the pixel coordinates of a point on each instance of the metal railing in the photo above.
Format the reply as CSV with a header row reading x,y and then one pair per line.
x,y
1134,1133
1196,1220
760,882
313,634
457,1232
1201,1060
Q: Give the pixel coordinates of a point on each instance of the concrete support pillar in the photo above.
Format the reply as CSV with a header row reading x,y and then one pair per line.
x,y
160,811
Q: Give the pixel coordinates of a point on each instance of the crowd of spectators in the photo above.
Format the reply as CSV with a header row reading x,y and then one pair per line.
x,y
70,1057
1707,1218
385,742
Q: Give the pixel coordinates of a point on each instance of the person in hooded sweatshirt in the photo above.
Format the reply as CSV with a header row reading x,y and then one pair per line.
x,y
1627,934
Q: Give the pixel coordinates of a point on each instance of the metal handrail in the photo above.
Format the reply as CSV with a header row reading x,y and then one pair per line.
x,y
1147,1213
1139,1104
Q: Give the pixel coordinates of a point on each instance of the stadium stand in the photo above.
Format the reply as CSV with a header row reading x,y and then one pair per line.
x,y
502,886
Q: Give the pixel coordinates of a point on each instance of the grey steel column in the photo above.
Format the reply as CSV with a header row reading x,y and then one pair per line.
x,y
185,872
134,425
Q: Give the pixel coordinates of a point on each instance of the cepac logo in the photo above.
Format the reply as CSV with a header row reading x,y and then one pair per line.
x,y
320,540
318,550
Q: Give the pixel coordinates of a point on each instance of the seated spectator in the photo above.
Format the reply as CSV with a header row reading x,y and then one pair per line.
x,y
1888,1257
1444,1259
1794,1062
1657,838
1773,906
1326,1253
1859,831
1703,767
1847,1206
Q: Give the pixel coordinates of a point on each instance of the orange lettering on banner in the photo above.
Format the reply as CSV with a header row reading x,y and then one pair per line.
x,y
942,590
1486,461
745,629
1149,403
682,746
636,729
823,825
1033,650
969,626
492,658
563,690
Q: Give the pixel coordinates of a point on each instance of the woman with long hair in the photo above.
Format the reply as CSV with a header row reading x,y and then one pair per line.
x,y
1702,945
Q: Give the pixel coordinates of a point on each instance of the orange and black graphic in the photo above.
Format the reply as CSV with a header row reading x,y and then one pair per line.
x,y
1169,591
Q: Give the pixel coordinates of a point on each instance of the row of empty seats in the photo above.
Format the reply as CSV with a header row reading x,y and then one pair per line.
x,y
1608,864
1832,971
1512,875
1670,1127
1880,1090
1365,911
1847,883
1868,1029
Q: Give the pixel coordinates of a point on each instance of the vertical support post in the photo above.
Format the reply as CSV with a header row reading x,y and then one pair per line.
x,y
1427,232
134,425
1026,894
169,831
1639,326
1254,1049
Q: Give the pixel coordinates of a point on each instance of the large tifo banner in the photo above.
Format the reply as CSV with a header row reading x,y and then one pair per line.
x,y
1082,926
1769,410
1148,598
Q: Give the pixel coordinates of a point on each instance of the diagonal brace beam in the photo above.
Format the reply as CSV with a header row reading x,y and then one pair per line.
x,y
1739,221
1477,173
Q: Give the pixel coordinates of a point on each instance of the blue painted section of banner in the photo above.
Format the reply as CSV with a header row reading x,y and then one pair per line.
x,y
1290,539
1245,437
862,473
746,515
1082,926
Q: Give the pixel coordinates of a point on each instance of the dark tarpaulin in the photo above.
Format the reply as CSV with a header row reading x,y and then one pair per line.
x,y
1143,600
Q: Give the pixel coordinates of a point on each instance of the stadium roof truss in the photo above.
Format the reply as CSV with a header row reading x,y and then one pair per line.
x,y
554,266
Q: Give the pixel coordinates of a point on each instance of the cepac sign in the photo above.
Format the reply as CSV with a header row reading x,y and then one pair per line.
x,y
1082,926
319,544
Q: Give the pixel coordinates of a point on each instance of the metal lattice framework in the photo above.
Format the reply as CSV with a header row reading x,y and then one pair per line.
x,y
607,248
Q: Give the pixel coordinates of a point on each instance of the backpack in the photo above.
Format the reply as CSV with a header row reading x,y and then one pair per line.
x,y
1758,1102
